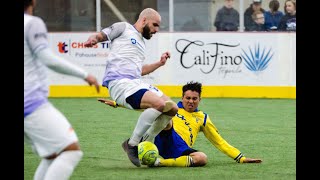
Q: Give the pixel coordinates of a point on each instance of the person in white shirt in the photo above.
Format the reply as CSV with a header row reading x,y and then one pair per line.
x,y
123,72
47,130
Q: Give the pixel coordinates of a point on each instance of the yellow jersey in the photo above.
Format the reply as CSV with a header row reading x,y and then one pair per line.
x,y
186,126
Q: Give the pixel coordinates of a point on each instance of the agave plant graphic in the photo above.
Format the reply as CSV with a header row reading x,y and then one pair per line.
x,y
257,60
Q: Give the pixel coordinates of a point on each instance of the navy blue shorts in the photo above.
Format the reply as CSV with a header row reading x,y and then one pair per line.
x,y
135,99
171,145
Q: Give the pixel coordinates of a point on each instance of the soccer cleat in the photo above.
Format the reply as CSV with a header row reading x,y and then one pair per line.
x,y
132,152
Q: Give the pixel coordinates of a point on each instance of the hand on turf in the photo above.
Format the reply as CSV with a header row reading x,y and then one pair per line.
x,y
249,160
108,102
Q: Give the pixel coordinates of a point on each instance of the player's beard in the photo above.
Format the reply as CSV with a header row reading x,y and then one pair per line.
x,y
146,32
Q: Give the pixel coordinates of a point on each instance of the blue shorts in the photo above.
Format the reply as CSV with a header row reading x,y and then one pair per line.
x,y
171,145
135,99
129,92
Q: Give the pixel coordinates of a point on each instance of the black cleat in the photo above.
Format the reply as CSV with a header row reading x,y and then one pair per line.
x,y
132,152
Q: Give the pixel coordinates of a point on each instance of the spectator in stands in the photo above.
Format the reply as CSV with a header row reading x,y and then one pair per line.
x,y
258,22
288,21
273,16
248,21
227,18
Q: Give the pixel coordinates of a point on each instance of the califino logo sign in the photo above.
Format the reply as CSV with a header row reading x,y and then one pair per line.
x,y
257,59
217,56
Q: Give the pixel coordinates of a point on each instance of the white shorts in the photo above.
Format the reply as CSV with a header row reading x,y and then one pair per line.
x,y
119,90
48,131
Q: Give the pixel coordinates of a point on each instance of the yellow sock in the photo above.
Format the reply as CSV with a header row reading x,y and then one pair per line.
x,y
182,161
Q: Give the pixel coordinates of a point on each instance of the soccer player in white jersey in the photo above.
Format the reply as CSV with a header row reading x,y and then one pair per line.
x,y
123,77
45,128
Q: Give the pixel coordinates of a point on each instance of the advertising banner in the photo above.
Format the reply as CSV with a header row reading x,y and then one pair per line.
x,y
214,59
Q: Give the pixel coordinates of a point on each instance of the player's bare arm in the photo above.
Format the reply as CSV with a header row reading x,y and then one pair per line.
x,y
60,65
108,102
164,58
113,31
168,106
94,39
91,80
148,68
250,160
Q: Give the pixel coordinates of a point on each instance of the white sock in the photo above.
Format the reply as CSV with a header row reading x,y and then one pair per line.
x,y
63,165
157,162
160,123
42,169
145,120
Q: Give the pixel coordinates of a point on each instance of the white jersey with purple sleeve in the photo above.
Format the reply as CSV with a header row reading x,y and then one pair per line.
x,y
127,52
35,84
37,57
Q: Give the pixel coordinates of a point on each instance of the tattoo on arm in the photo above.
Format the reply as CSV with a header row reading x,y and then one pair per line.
x,y
100,37
104,37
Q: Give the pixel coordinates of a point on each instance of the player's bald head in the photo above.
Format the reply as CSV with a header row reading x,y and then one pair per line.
x,y
148,22
150,13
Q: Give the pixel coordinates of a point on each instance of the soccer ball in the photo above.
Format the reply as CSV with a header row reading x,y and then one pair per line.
x,y
147,153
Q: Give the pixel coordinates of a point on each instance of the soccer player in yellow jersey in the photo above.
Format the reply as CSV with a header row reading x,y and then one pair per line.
x,y
175,142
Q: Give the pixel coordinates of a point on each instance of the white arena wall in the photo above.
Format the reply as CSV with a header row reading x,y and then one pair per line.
x,y
229,64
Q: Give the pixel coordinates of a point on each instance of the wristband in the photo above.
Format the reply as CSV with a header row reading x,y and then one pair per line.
x,y
242,159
